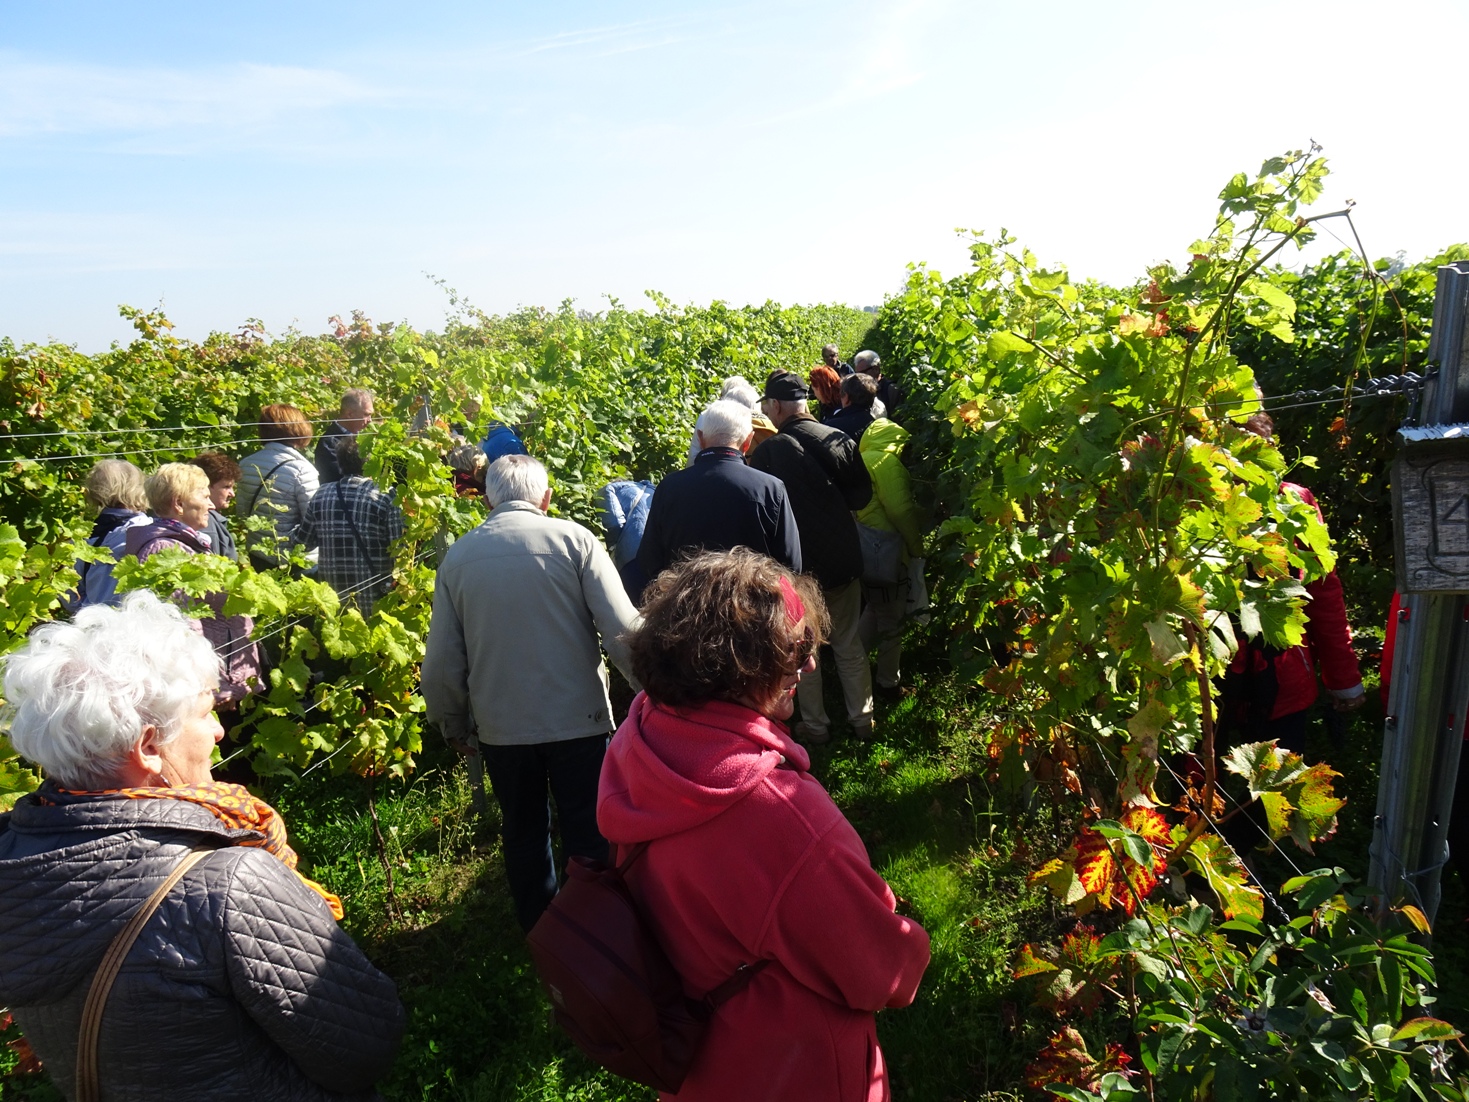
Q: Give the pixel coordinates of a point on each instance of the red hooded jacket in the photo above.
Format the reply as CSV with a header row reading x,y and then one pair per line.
x,y
751,860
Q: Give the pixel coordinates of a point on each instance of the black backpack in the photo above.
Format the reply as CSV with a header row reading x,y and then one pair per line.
x,y
611,985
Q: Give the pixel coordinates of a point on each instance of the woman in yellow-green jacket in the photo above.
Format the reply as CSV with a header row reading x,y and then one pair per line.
x,y
892,510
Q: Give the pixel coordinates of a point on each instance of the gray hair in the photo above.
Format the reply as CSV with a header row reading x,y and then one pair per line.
x,y
79,695
784,409
116,484
516,478
866,359
466,457
724,424
356,400
737,389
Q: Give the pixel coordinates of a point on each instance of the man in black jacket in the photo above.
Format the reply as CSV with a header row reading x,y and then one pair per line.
x,y
858,391
718,502
354,414
826,479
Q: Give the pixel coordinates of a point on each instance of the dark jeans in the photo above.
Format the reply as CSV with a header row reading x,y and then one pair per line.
x,y
520,777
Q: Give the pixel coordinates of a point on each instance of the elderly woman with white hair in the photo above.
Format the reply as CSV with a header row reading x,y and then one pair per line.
x,y
178,494
156,940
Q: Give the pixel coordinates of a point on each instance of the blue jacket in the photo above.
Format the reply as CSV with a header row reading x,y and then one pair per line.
x,y
716,504
851,420
624,515
501,441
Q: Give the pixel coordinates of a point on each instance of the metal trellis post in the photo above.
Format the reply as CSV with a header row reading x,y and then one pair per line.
x,y
1429,694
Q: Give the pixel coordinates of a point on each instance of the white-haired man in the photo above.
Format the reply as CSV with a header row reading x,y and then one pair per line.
x,y
514,664
719,503
354,415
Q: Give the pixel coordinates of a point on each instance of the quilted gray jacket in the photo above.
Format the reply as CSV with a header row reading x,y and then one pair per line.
x,y
241,986
277,483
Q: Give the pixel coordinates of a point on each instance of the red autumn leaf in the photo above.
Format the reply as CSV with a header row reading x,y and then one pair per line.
x,y
1096,865
1153,827
1105,870
1065,1061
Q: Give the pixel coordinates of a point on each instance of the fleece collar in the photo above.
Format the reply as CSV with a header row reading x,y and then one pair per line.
x,y
670,770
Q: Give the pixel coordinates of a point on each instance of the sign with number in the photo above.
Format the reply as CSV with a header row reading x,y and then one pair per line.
x,y
1431,506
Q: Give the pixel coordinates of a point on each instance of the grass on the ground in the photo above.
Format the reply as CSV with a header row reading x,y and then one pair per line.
x,y
955,850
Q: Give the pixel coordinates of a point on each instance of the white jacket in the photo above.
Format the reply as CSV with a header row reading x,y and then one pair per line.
x,y
277,482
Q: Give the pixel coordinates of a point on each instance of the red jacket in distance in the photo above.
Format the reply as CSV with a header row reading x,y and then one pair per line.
x,y
750,859
1328,642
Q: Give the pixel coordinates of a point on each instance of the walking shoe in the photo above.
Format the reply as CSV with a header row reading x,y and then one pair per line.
x,y
862,731
891,694
809,735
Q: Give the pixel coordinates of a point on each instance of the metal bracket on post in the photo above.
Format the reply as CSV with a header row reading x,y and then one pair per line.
x,y
1429,695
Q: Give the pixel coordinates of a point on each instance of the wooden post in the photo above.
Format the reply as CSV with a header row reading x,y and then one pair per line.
x,y
1425,722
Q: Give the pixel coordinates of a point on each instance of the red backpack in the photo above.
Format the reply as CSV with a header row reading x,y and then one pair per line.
x,y
611,985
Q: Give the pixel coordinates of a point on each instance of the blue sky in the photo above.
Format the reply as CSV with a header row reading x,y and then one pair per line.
x,y
293,161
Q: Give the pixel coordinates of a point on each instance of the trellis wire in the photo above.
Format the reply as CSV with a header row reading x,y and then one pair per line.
x,y
172,428
291,621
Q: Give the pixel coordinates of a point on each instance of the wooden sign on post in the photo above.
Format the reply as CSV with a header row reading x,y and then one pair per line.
x,y
1430,492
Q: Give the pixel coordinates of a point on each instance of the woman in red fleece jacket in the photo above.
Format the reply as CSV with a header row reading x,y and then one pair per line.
x,y
748,858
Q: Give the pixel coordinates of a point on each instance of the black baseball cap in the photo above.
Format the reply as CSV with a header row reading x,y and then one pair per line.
x,y
785,386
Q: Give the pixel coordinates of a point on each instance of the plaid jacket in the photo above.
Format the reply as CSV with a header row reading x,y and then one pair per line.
x,y
354,524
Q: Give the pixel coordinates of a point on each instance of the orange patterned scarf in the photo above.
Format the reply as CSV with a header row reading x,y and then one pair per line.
x,y
232,805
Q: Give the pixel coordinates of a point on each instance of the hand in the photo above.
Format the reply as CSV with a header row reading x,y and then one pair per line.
x,y
1351,704
465,746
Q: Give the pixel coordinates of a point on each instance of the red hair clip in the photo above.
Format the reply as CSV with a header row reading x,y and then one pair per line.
x,y
795,609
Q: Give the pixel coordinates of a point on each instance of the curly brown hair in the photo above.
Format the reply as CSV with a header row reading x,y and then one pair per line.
x,y
715,628
218,466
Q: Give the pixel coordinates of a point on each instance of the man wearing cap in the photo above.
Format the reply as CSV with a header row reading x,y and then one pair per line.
x,y
825,479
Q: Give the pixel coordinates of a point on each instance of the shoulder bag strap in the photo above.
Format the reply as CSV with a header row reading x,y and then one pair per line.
x,y
356,534
730,987
818,452
88,1087
256,495
634,852
734,985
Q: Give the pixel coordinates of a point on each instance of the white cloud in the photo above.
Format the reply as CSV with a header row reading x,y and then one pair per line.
x,y
89,99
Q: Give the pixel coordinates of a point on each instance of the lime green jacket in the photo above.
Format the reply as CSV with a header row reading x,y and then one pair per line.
x,y
891,508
